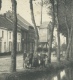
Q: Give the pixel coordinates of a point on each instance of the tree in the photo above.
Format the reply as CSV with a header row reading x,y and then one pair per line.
x,y
35,27
64,16
68,10
51,7
51,35
64,10
71,31
14,46
58,33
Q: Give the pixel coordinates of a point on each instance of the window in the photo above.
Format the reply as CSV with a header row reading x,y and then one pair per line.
x,y
5,46
18,46
2,34
19,36
9,35
10,45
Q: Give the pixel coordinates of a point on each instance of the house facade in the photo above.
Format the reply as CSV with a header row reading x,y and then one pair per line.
x,y
6,40
6,33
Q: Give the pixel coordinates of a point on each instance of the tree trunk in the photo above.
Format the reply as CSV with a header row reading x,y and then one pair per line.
x,y
66,40
51,34
23,48
35,27
68,26
70,51
72,47
58,47
69,44
58,33
14,46
72,21
71,31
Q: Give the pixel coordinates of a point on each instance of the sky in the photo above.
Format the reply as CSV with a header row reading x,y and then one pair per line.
x,y
23,8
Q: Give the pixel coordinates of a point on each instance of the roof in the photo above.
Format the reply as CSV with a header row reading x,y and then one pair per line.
x,y
21,21
7,24
4,22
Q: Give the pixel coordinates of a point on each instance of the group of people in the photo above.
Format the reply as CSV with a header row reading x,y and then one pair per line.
x,y
30,61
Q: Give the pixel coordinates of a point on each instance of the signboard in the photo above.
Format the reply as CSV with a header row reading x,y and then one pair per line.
x,y
43,35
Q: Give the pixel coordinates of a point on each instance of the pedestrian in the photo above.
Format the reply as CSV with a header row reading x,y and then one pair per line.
x,y
46,60
27,62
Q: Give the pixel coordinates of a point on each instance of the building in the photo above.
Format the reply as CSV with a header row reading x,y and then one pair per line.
x,y
6,32
44,34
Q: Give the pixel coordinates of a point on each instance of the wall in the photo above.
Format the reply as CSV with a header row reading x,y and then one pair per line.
x,y
4,39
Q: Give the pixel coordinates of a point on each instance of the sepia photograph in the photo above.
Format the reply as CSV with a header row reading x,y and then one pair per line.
x,y
36,41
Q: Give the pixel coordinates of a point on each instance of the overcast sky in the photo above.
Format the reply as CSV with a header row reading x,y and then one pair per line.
x,y
23,9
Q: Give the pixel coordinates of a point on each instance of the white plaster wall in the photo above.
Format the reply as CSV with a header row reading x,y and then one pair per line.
x,y
7,39
18,38
4,39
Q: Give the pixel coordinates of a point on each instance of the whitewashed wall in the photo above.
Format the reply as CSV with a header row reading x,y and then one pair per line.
x,y
7,39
